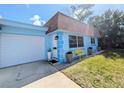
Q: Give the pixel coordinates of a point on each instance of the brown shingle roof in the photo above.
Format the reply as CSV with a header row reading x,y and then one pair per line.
x,y
64,22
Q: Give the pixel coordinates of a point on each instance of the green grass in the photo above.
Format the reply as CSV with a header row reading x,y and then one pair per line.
x,y
104,70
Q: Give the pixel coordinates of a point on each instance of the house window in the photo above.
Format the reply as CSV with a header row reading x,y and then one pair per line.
x,y
80,41
75,41
99,42
92,40
72,41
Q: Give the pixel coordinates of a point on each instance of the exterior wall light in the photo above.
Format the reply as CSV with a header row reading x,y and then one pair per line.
x,y
56,37
0,28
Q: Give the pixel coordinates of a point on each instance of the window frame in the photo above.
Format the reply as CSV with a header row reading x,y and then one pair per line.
x,y
93,41
74,44
76,41
82,42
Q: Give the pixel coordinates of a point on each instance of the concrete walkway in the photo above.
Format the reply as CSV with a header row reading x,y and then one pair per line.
x,y
56,80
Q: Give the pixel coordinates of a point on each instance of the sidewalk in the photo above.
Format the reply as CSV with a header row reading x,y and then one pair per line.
x,y
56,80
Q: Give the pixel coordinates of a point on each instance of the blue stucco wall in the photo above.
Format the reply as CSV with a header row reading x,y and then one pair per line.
x,y
49,42
87,43
63,44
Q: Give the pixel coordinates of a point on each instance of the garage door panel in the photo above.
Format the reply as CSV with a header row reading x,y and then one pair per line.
x,y
17,49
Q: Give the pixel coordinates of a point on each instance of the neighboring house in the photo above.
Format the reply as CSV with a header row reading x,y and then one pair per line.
x,y
23,43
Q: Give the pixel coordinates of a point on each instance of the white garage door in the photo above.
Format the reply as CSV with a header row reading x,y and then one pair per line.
x,y
18,49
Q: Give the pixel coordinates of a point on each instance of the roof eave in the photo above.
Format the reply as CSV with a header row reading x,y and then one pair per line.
x,y
22,25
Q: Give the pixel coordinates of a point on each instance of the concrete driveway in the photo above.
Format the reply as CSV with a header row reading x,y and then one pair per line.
x,y
18,76
36,74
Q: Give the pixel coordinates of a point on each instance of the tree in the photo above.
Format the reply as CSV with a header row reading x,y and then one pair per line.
x,y
110,22
81,12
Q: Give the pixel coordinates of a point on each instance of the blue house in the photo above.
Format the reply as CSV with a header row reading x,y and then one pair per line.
x,y
67,34
23,43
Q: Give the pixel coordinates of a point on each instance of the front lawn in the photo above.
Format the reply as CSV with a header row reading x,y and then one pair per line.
x,y
104,70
